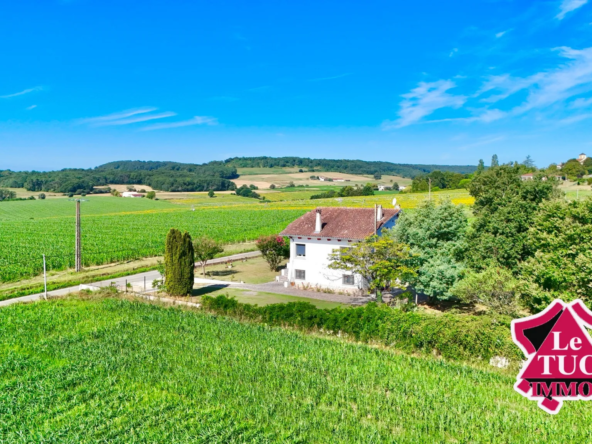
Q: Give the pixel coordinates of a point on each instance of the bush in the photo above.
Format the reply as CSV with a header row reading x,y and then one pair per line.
x,y
151,195
495,287
41,196
272,187
459,337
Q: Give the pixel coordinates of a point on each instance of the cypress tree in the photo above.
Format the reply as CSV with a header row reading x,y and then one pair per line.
x,y
179,263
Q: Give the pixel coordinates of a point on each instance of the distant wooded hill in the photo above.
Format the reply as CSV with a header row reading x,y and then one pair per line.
x,y
346,166
175,176
164,176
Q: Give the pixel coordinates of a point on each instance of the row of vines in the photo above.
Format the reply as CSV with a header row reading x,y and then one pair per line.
x,y
113,238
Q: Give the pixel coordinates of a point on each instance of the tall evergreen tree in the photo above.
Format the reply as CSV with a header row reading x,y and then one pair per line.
x,y
179,263
494,161
480,167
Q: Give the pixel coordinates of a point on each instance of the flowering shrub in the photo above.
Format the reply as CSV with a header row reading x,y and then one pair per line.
x,y
273,249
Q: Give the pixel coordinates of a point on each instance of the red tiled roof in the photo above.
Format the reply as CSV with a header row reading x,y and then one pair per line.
x,y
339,222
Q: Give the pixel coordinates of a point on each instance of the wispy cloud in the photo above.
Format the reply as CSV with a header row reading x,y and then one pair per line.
x,y
423,100
22,93
320,79
569,5
581,103
197,120
502,33
143,118
481,142
548,93
29,108
118,115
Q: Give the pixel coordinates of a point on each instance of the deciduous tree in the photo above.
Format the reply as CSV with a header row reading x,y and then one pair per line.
x,y
380,261
206,249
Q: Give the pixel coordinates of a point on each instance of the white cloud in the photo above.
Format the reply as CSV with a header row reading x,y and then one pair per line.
x,y
29,108
21,93
568,6
423,100
570,79
118,115
482,141
581,103
197,120
505,85
131,120
502,33
545,88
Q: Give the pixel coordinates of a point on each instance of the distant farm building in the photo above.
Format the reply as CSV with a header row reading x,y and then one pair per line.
x,y
527,176
384,187
330,179
131,194
581,158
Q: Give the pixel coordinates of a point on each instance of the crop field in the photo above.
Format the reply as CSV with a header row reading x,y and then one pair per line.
x,y
118,229
110,234
107,370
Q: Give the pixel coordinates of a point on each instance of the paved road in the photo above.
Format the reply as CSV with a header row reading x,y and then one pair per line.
x,y
136,281
143,282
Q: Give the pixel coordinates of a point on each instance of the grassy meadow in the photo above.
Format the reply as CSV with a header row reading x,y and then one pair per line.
x,y
110,370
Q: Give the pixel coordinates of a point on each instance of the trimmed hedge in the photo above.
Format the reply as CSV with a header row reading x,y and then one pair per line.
x,y
458,337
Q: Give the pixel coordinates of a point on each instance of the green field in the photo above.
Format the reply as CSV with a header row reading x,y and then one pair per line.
x,y
105,370
116,229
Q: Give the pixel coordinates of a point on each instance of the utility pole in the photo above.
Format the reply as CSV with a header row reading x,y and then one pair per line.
x,y
78,239
375,216
44,278
430,188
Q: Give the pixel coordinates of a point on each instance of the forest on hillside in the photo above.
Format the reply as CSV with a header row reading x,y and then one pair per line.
x,y
345,166
164,176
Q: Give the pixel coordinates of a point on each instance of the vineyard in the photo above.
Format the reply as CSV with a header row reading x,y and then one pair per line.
x,y
116,229
112,238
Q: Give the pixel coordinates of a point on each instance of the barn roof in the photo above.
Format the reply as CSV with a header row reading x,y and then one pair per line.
x,y
339,222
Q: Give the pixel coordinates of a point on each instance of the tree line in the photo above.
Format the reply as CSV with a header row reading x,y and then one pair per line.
x,y
164,176
345,166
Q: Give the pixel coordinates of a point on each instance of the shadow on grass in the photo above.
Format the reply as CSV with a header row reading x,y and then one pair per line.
x,y
229,272
207,289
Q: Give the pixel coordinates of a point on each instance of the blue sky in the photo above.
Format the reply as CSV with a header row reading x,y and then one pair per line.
x,y
83,82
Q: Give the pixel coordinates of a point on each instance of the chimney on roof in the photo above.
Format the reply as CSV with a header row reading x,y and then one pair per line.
x,y
379,214
319,222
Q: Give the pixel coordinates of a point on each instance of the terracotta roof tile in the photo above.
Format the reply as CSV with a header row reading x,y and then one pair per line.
x,y
339,222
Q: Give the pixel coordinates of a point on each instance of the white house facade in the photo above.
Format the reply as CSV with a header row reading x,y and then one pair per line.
x,y
321,232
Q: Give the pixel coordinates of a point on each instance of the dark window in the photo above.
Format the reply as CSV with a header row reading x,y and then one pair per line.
x,y
300,275
300,250
348,279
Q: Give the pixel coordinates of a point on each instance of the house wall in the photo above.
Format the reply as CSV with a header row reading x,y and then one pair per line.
x,y
316,263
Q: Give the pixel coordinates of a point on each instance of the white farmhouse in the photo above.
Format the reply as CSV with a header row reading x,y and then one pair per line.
x,y
131,194
317,234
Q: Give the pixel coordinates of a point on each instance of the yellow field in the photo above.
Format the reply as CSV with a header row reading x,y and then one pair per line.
x,y
406,201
